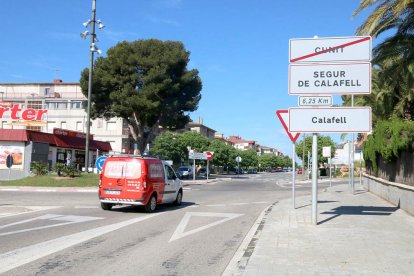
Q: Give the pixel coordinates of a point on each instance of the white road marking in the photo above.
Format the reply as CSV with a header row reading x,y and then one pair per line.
x,y
87,207
6,212
261,202
67,220
179,231
21,256
238,204
216,205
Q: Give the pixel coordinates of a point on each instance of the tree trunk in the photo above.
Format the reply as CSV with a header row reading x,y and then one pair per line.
x,y
141,134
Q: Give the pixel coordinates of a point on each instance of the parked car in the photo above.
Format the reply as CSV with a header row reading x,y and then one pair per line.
x,y
238,171
203,172
185,172
136,180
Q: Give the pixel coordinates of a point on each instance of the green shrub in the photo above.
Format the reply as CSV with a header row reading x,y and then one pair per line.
x,y
71,171
59,168
38,168
388,140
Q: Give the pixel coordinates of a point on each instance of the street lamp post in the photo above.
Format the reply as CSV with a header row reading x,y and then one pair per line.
x,y
92,50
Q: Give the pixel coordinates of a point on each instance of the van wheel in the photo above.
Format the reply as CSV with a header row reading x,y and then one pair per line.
x,y
151,205
106,206
179,198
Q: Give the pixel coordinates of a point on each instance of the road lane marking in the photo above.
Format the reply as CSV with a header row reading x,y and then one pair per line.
x,y
7,211
87,207
25,255
180,230
66,220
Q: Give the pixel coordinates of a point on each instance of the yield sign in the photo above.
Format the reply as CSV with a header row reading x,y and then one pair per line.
x,y
283,116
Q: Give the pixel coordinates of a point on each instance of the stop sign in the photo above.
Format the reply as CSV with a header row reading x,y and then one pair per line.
x,y
209,155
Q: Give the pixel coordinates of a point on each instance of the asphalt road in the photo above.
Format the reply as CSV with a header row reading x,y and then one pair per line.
x,y
66,233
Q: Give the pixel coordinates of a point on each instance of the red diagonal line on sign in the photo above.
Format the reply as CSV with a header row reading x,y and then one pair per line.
x,y
331,49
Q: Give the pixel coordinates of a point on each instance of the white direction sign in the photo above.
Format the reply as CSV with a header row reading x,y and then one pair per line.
x,y
324,78
352,48
315,101
335,119
197,155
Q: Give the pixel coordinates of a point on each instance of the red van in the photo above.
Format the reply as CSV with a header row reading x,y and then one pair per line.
x,y
137,180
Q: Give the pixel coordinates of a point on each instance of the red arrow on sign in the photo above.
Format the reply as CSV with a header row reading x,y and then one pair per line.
x,y
283,116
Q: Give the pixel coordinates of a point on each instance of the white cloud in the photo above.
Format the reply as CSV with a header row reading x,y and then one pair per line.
x,y
158,20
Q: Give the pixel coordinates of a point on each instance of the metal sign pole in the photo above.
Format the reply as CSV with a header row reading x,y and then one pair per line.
x,y
330,172
293,175
315,179
194,170
352,156
207,169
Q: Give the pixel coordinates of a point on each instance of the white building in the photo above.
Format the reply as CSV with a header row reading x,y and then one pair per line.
x,y
64,104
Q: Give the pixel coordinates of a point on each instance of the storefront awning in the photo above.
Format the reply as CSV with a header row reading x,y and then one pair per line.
x,y
55,140
14,135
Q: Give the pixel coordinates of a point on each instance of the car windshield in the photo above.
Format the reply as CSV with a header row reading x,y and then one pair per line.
x,y
183,169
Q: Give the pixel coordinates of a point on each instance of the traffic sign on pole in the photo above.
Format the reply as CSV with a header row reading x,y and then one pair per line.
x,y
284,119
324,78
334,119
100,162
352,48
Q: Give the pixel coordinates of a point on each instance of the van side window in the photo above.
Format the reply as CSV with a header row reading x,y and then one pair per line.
x,y
155,171
170,173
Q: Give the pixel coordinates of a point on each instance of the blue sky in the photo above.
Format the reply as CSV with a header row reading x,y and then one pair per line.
x,y
240,48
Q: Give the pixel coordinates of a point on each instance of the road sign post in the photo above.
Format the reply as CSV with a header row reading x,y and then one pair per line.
x,y
336,65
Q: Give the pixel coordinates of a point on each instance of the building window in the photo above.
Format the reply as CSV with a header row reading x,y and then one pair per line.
x,y
76,105
111,126
51,125
47,91
79,125
34,104
34,128
62,105
63,124
100,123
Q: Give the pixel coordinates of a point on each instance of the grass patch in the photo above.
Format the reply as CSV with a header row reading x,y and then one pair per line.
x,y
52,180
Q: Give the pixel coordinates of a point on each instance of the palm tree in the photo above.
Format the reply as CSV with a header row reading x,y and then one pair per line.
x,y
394,57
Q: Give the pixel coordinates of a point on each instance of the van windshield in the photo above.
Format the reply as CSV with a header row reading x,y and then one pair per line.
x,y
122,169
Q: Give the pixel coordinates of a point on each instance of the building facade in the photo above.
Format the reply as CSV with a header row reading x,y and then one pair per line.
x,y
64,103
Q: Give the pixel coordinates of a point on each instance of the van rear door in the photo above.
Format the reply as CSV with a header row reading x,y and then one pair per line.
x,y
121,178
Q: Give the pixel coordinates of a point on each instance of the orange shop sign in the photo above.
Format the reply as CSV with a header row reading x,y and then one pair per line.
x,y
17,113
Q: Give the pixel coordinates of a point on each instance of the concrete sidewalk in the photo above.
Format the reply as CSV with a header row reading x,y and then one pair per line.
x,y
357,234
